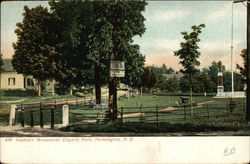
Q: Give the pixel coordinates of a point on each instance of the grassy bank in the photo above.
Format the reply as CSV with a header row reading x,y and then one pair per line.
x,y
212,116
195,125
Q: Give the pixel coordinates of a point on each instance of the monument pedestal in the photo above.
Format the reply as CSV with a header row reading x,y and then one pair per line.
x,y
220,91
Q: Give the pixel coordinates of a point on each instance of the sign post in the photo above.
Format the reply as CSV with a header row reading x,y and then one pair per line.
x,y
117,69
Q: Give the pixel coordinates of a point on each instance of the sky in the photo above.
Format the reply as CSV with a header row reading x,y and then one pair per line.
x,y
165,20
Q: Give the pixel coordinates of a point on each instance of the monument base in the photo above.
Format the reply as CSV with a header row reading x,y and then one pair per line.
x,y
220,92
238,94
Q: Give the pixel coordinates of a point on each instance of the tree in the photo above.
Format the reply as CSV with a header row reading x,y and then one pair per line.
x,y
238,81
134,63
243,68
171,85
158,73
69,43
34,50
148,78
189,54
164,68
170,70
1,62
167,70
93,30
99,46
203,77
127,21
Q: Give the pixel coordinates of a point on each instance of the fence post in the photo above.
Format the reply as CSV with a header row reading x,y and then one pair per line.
x,y
31,118
157,121
76,102
65,115
207,111
122,114
12,115
41,116
22,117
84,100
185,113
52,118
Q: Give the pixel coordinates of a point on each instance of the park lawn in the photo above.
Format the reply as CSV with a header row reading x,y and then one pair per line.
x,y
9,97
151,101
82,111
215,108
132,105
220,119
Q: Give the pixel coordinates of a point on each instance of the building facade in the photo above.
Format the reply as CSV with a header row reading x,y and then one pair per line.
x,y
10,79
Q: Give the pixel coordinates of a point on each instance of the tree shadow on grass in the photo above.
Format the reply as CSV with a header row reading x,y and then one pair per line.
x,y
19,93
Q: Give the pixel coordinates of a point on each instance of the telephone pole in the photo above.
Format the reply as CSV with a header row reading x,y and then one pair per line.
x,y
248,62
232,58
248,57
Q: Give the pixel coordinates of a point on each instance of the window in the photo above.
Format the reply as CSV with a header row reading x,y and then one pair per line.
x,y
11,81
30,82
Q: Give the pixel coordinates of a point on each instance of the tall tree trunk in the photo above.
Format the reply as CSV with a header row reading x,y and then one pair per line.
x,y
39,87
113,92
113,99
53,87
98,93
113,81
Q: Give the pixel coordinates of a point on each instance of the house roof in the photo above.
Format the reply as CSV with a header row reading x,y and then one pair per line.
x,y
7,66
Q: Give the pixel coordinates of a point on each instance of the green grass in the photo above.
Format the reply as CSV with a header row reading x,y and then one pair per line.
x,y
161,101
154,128
9,97
220,119
214,108
219,115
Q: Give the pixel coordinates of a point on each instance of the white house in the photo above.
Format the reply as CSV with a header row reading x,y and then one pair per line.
x,y
10,79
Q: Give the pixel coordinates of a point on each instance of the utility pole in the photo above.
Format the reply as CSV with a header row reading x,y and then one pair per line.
x,y
248,63
232,58
248,57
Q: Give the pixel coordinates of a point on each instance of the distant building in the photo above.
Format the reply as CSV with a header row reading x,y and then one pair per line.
x,y
10,79
177,75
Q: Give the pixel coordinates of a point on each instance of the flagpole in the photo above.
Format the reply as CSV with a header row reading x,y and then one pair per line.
x,y
232,58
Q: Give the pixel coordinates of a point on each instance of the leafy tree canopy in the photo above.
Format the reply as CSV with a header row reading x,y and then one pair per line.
x,y
243,68
189,53
34,49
